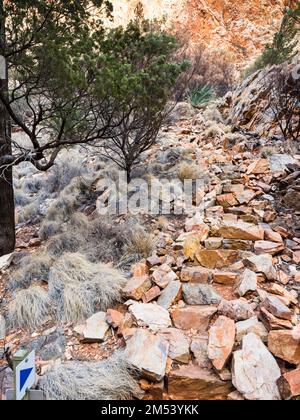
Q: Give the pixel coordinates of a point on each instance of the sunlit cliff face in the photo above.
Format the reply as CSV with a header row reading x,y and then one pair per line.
x,y
238,27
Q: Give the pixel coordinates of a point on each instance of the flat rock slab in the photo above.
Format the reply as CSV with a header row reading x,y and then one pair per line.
x,y
150,315
255,371
5,261
221,342
242,230
277,308
136,287
219,258
148,354
94,329
200,294
196,383
193,317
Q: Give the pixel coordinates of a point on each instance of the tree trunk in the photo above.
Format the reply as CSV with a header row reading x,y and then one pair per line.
x,y
7,208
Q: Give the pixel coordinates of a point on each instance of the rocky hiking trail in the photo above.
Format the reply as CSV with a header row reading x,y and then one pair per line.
x,y
214,312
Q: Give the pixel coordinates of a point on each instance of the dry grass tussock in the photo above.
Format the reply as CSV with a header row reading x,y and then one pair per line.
x,y
81,288
33,267
140,243
110,379
2,327
30,308
188,171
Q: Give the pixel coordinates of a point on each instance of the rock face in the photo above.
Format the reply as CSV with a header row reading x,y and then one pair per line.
x,y
148,354
193,317
200,294
285,345
255,370
94,329
195,383
148,314
221,342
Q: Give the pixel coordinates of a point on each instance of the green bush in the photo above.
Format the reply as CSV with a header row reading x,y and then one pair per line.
x,y
201,95
283,47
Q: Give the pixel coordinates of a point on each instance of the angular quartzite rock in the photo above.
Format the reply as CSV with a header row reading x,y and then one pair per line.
x,y
274,305
286,345
213,243
163,276
237,244
148,354
238,310
114,318
271,322
248,283
258,167
289,384
150,315
195,275
199,348
170,295
221,341
216,258
191,246
251,325
94,329
200,294
5,261
152,294
196,383
193,317
255,370
179,350
225,277
136,287
241,230
262,264
267,247
227,200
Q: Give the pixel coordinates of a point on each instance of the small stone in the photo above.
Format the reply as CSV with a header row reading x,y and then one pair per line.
x,y
258,167
153,261
227,200
94,329
267,247
150,315
251,325
179,350
272,236
271,322
274,305
213,243
286,345
245,197
140,270
170,295
221,342
296,257
195,383
238,310
289,385
163,276
255,371
195,275
225,277
216,258
148,354
5,261
200,294
191,246
152,294
136,287
114,318
262,264
235,396
248,283
199,348
193,317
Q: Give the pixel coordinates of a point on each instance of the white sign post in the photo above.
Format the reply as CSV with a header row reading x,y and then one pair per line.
x,y
25,375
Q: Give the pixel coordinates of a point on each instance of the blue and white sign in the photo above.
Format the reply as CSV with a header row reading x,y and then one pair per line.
x,y
25,375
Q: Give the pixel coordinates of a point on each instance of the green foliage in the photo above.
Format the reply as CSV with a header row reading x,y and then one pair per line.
x,y
284,43
201,95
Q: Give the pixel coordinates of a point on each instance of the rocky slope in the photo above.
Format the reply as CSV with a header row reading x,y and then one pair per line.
x,y
238,28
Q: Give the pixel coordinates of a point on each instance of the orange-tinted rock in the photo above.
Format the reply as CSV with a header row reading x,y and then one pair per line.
x,y
227,200
195,275
289,384
216,258
271,322
286,345
195,383
152,294
267,247
191,246
136,287
225,277
274,305
140,270
259,166
114,318
242,230
221,341
193,317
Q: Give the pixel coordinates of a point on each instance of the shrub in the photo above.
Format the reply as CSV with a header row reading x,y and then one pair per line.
x,y
29,309
81,288
140,244
200,95
2,327
21,199
109,379
32,185
30,213
188,171
49,229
